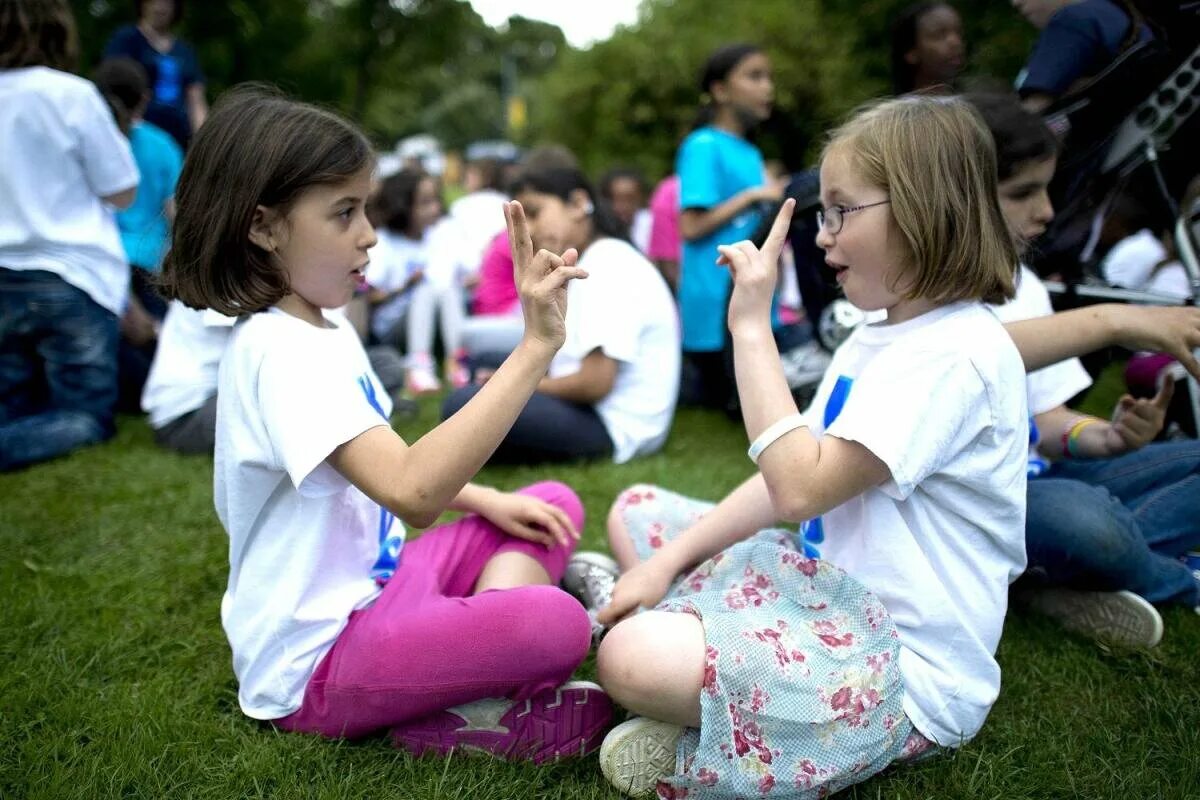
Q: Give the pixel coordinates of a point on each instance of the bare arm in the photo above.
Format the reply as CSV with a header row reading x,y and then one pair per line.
x,y
197,106
418,482
591,384
123,199
1047,340
805,476
696,223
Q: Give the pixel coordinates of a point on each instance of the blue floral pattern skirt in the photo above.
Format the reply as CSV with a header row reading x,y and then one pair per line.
x,y
802,691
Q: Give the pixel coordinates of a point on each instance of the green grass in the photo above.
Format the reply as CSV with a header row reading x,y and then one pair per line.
x,y
115,676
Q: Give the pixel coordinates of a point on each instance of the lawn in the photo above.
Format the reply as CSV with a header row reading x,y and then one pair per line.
x,y
115,676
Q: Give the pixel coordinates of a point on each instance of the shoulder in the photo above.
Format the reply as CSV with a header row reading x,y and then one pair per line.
x,y
701,140
154,137
125,38
1031,299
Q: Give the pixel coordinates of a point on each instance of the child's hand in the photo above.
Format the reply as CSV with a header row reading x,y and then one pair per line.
x,y
1172,330
529,518
644,586
541,281
755,273
1136,422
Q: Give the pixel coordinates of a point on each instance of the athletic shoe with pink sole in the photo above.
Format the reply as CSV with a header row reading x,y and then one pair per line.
x,y
557,723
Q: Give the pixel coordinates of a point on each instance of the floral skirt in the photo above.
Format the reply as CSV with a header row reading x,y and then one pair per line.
x,y
802,691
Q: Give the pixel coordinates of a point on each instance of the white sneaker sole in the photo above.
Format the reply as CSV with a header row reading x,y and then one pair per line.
x,y
638,753
1119,618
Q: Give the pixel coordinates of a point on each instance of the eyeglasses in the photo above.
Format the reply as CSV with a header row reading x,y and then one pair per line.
x,y
833,218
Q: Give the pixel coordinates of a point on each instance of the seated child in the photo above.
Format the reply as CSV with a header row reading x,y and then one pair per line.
x,y
337,626
611,390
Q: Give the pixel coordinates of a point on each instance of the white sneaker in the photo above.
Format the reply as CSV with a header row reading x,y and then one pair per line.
x,y
639,753
804,365
1119,618
590,578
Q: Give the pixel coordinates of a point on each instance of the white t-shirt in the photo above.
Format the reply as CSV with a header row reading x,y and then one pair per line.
x,y
625,309
1049,387
60,152
639,230
459,240
939,399
1131,261
394,259
184,372
302,540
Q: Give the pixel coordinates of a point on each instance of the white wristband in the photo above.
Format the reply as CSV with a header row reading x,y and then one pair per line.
x,y
772,434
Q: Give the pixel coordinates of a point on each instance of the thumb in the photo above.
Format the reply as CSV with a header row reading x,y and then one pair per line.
x,y
1163,399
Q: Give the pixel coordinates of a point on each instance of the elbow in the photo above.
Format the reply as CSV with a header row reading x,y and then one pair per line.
x,y
122,200
416,510
789,504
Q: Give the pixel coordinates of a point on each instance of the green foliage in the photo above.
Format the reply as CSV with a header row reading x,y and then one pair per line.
x,y
630,99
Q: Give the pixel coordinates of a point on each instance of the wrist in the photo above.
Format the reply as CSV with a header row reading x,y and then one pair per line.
x,y
536,349
752,332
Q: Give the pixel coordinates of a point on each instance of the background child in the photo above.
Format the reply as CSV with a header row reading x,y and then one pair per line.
x,y
145,225
63,274
611,390
624,189
816,662
928,49
722,181
1109,511
336,626
408,205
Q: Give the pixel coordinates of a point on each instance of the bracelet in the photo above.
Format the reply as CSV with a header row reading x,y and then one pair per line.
x,y
772,434
1070,437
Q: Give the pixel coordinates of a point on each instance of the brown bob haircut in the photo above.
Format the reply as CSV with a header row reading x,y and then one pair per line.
x,y
38,33
935,158
258,147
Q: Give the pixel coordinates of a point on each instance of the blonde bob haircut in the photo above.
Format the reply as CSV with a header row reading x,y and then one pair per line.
x,y
936,159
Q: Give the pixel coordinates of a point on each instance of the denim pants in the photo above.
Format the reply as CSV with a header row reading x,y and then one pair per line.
x,y
58,368
1119,523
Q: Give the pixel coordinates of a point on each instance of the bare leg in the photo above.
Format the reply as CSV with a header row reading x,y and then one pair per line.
x,y
619,540
653,665
509,570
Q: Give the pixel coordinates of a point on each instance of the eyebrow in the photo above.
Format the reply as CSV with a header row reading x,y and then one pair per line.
x,y
347,199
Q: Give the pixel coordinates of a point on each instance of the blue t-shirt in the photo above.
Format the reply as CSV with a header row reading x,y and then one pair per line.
x,y
168,74
713,166
1079,41
143,225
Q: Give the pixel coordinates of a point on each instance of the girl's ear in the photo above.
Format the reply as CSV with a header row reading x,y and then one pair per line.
x,y
263,228
579,202
718,92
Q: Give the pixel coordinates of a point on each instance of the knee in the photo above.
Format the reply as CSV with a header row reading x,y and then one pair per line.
x,y
552,631
631,661
560,494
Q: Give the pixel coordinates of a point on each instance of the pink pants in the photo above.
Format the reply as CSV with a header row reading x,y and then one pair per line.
x,y
427,643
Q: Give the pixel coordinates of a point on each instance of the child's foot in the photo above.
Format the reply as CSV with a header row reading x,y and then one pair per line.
x,y
590,578
419,378
1120,618
556,723
456,373
639,753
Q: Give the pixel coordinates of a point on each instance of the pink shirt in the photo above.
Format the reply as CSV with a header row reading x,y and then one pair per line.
x,y
665,244
496,292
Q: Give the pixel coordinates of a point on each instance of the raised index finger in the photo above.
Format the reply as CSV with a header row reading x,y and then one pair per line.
x,y
518,234
773,246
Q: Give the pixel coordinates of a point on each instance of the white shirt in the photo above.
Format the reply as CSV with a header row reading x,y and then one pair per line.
x,y
1049,387
458,241
625,310
60,152
1131,261
302,540
639,230
939,399
183,374
394,259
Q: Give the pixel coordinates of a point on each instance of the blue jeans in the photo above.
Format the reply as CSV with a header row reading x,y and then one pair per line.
x,y
1119,523
58,368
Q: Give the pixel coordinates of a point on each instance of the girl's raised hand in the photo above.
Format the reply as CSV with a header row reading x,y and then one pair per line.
x,y
541,280
755,272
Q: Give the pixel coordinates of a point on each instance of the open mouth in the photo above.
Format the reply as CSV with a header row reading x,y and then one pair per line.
x,y
839,270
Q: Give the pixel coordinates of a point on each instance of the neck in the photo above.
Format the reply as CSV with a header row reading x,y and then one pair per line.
x,y
906,310
301,309
152,32
727,120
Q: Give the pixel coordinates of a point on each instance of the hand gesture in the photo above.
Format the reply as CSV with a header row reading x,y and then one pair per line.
x,y
1172,330
755,272
527,517
541,281
641,587
1136,422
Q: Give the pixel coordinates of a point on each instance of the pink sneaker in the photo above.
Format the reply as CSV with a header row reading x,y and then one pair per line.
x,y
556,723
457,375
419,378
